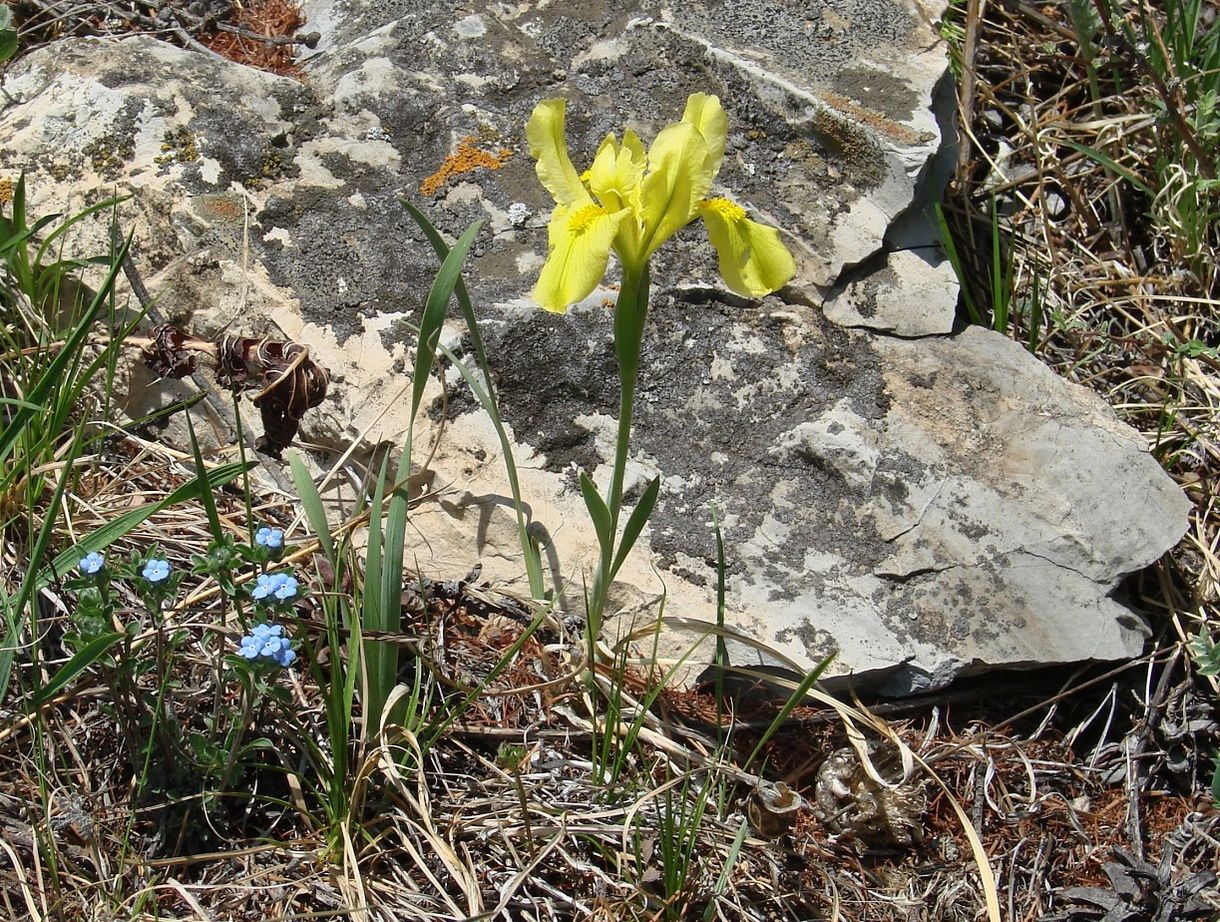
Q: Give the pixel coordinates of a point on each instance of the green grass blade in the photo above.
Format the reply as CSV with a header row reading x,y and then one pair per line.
x,y
311,502
955,260
434,313
394,543
337,684
1111,165
721,659
14,402
39,550
12,632
794,699
487,397
19,202
726,872
1035,313
380,658
56,371
67,225
205,496
459,290
1000,292
394,540
14,238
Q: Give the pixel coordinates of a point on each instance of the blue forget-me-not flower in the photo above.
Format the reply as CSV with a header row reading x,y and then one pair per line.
x,y
92,563
270,538
280,585
156,570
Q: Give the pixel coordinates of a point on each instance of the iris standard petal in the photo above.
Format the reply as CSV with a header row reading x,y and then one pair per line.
x,y
705,112
549,147
753,261
635,148
616,173
579,250
677,181
615,179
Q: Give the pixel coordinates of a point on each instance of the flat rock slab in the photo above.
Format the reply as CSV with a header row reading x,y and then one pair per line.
x,y
923,504
942,503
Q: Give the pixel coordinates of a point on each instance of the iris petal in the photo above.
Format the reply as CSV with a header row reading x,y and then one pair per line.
x,y
615,179
677,181
634,200
579,251
615,175
705,112
753,261
549,147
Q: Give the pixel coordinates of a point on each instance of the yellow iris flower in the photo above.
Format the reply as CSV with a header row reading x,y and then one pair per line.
x,y
632,201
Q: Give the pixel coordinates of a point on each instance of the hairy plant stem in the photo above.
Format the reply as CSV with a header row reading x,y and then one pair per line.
x,y
239,731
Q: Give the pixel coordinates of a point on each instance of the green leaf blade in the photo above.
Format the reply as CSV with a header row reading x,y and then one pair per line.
x,y
80,661
636,522
599,512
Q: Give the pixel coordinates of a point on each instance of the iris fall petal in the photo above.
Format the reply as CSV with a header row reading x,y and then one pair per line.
x,y
579,249
753,260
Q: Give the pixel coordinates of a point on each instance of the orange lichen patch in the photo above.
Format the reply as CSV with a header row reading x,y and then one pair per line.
x,y
222,207
6,190
272,18
466,159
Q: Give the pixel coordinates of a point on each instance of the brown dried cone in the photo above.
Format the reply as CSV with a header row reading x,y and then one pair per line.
x,y
169,352
854,806
772,808
291,382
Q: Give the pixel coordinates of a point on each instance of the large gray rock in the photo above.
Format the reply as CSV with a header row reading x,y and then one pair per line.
x,y
923,504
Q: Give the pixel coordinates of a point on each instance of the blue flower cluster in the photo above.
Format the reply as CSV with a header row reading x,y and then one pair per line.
x,y
280,586
267,642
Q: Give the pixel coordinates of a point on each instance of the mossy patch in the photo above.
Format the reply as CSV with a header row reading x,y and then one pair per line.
x,y
178,145
109,153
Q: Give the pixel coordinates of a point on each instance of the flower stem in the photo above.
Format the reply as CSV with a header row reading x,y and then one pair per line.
x,y
629,315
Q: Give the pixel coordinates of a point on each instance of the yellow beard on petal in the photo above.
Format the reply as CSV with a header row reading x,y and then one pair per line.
x,y
730,211
582,218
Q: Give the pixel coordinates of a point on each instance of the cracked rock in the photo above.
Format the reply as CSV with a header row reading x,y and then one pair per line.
x,y
924,505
